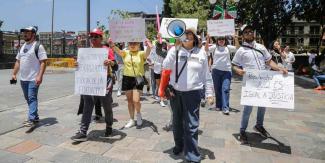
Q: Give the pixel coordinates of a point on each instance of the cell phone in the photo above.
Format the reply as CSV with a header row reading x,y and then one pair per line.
x,y
13,81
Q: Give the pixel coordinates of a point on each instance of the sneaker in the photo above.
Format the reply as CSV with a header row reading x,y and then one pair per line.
x,y
97,118
119,93
162,104
243,137
225,112
139,119
262,131
130,124
203,102
79,137
177,150
157,98
30,123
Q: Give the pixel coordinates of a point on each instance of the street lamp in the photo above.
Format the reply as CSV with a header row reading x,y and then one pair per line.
x,y
51,44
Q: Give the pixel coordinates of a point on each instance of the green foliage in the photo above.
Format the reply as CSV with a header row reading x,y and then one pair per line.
x,y
1,22
191,9
269,17
151,31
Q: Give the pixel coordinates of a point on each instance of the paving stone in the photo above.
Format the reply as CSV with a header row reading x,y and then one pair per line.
x,y
96,147
67,156
37,161
121,153
24,147
8,157
93,158
6,141
45,152
145,144
72,145
146,156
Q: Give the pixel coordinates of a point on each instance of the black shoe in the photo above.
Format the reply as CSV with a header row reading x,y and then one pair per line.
x,y
79,137
262,131
177,150
243,137
97,118
192,162
203,102
108,131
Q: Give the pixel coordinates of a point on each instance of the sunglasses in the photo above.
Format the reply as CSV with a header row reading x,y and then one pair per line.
x,y
95,37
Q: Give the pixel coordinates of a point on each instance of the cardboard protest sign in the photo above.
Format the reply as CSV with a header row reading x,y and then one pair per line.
x,y
127,30
91,75
268,89
222,27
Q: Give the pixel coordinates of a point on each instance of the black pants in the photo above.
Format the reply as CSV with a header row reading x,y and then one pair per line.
x,y
186,109
98,110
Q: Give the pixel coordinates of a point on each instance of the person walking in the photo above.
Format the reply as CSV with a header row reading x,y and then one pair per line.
x,y
96,37
31,62
188,67
221,71
252,55
133,78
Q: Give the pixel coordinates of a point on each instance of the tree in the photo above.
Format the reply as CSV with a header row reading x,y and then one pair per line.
x,y
268,17
151,31
1,22
167,10
191,9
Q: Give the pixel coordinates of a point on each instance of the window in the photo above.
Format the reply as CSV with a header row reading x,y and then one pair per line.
x,y
314,30
313,41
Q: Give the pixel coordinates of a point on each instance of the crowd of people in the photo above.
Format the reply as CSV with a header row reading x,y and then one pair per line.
x,y
182,74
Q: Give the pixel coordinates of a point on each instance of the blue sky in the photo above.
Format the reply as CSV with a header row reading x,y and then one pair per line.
x,y
69,14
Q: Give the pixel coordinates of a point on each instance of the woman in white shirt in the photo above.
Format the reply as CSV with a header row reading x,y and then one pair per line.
x,y
221,71
189,70
288,58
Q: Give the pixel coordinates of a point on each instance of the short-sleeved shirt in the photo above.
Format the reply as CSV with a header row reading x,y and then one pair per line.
x,y
156,60
133,60
221,56
287,62
251,59
195,72
29,64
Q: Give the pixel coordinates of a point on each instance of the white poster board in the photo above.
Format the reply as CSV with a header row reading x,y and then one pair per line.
x,y
127,30
91,74
222,27
268,89
190,23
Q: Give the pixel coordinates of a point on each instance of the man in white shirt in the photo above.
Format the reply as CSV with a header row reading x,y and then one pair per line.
x,y
252,55
31,63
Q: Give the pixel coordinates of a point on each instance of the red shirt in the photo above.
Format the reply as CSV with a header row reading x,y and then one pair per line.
x,y
110,53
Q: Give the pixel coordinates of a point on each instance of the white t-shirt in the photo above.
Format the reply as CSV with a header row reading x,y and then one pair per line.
x,y
29,64
287,62
221,57
251,59
156,60
195,73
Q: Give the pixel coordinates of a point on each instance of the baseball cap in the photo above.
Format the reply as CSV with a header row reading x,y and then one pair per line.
x,y
96,31
29,28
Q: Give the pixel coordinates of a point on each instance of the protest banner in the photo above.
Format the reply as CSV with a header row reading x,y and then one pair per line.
x,y
127,30
91,74
223,27
268,89
190,23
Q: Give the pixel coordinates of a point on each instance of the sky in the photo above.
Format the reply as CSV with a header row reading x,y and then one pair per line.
x,y
69,15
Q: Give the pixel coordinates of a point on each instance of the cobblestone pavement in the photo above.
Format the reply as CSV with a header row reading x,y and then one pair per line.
x,y
297,136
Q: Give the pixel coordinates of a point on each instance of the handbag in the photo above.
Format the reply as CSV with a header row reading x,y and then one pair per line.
x,y
139,80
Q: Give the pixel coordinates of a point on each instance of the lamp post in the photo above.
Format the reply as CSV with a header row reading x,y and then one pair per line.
x,y
51,42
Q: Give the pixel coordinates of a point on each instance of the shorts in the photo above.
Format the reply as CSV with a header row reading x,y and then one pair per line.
x,y
156,76
129,83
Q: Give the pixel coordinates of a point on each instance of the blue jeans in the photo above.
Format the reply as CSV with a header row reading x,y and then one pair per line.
x,y
30,90
221,83
154,88
245,117
319,79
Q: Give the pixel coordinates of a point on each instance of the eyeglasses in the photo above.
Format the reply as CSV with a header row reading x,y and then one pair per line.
x,y
248,32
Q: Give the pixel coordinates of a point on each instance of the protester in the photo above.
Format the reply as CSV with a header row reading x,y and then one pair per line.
x,y
157,56
119,72
133,78
31,61
252,55
188,76
221,71
96,37
288,58
276,52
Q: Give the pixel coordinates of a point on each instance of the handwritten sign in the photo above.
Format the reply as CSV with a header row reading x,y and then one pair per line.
x,y
190,23
127,30
91,74
222,27
268,89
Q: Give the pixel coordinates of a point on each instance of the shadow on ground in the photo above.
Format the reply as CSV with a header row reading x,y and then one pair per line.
x,y
256,140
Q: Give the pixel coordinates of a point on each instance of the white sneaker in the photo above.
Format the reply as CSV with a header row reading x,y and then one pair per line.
x,y
162,104
130,124
118,94
139,119
157,98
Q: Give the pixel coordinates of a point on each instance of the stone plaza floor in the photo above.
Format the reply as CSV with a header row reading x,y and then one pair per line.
x,y
296,136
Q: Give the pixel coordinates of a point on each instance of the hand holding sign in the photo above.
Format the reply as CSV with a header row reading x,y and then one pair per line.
x,y
222,27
